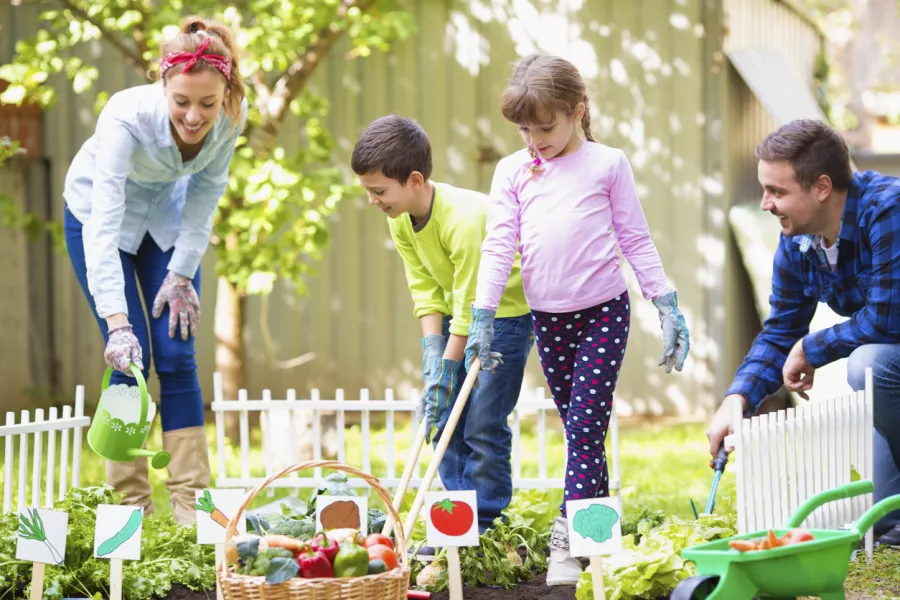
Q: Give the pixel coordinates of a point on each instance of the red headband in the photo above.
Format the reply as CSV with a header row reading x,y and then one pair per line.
x,y
190,59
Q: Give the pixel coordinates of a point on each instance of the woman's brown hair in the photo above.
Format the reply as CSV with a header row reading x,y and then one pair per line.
x,y
542,83
194,31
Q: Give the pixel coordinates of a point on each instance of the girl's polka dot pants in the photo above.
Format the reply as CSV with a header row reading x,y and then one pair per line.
x,y
581,354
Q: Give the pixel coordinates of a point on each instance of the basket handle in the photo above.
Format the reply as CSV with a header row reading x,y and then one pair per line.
x,y
399,548
848,490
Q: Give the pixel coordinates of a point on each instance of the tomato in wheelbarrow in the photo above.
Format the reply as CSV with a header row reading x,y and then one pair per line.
x,y
793,536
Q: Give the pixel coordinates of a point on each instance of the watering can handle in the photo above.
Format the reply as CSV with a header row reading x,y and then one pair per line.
x,y
142,386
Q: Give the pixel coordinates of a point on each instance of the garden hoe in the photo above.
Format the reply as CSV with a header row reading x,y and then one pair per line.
x,y
412,460
718,465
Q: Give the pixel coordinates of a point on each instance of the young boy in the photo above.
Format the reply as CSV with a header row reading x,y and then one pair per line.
x,y
437,230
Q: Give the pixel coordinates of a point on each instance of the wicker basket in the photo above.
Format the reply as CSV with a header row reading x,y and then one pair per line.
x,y
390,585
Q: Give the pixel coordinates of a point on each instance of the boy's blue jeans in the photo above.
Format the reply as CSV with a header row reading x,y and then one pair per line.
x,y
479,454
884,359
181,400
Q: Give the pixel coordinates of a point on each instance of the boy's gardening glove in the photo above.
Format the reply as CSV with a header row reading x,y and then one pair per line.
x,y
481,335
432,351
438,394
676,341
184,304
123,349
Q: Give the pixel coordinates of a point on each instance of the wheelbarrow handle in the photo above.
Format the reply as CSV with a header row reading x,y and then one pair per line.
x,y
874,514
848,490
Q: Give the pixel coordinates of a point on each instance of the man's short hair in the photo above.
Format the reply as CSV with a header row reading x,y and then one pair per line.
x,y
396,145
813,149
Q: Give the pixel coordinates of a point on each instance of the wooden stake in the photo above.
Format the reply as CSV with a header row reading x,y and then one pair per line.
x,y
597,577
37,581
453,573
115,579
220,558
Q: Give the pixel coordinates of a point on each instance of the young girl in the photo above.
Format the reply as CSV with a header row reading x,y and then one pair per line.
x,y
566,203
139,202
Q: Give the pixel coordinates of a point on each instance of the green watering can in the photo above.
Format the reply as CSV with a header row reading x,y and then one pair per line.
x,y
122,421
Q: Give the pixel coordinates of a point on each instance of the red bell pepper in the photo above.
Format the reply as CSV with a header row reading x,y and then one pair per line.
x,y
314,564
327,546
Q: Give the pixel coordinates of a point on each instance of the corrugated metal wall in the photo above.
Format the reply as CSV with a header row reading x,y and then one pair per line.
x,y
645,63
755,24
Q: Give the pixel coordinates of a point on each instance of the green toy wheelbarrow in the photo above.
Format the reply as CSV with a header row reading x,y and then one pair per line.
x,y
122,421
817,567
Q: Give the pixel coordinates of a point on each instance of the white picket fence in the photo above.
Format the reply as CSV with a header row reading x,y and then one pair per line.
x,y
62,467
282,421
784,458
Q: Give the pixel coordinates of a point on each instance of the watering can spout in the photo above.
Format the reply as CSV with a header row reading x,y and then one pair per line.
x,y
121,423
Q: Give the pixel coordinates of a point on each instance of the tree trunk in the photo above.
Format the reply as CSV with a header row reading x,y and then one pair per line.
x,y
229,330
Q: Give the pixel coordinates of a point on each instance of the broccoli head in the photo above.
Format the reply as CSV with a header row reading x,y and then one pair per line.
x,y
301,529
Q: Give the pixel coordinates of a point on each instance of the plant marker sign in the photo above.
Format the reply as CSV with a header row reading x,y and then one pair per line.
x,y
117,537
452,522
595,530
342,512
41,540
215,508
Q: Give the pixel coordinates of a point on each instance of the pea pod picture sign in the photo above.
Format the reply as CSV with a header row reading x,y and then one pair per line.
x,y
118,532
595,526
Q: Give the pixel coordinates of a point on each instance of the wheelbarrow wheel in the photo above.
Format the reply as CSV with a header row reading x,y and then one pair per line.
x,y
697,587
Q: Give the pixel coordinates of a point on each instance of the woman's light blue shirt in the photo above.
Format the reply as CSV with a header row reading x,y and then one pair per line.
x,y
128,180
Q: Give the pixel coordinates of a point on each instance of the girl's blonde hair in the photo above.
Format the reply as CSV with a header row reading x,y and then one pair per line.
x,y
194,31
544,83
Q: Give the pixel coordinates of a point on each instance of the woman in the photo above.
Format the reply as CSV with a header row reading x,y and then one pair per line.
x,y
140,198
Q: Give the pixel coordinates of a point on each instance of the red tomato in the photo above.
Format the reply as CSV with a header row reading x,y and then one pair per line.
x,y
383,553
374,539
452,517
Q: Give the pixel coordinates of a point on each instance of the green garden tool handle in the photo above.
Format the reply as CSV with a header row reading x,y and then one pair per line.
x,y
874,514
142,386
848,490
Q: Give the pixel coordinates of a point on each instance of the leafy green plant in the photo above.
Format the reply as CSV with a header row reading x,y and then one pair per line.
x,y
169,555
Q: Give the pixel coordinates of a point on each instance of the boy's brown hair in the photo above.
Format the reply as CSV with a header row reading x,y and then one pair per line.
x,y
813,149
396,145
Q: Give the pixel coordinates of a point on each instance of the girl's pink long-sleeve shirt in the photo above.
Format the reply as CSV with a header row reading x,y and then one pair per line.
x,y
567,220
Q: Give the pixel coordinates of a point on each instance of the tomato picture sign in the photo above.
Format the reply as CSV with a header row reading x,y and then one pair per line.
x,y
452,520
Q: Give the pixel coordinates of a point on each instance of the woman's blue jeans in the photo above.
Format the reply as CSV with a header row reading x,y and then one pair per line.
x,y
181,399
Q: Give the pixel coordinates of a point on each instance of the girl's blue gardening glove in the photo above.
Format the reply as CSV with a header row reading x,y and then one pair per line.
x,y
432,351
676,341
438,393
481,335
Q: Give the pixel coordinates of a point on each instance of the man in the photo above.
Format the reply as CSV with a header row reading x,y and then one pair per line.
x,y
840,244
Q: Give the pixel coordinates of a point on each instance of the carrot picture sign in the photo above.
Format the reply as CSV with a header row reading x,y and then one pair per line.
x,y
214,511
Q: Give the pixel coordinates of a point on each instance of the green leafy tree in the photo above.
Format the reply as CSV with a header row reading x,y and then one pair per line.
x,y
272,222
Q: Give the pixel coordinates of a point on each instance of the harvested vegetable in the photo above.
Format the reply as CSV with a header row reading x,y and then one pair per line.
x,y
383,553
377,566
314,564
328,547
794,536
378,538
352,560
301,529
283,541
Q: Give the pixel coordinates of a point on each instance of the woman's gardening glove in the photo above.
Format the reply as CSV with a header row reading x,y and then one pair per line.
x,y
184,304
432,349
123,349
676,341
438,393
481,335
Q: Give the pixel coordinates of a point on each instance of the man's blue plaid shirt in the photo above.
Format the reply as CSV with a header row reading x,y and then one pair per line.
x,y
865,287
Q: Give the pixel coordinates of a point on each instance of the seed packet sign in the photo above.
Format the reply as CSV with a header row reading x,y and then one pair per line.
x,y
342,512
214,510
118,532
452,520
595,529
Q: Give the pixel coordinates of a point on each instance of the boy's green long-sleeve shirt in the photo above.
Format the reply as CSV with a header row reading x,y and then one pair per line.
x,y
441,260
